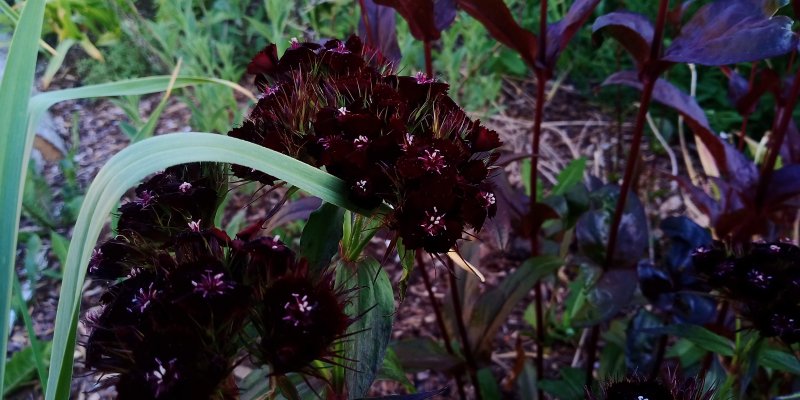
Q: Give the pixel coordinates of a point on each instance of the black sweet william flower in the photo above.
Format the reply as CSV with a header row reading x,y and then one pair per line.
x,y
636,388
391,138
762,279
180,292
299,321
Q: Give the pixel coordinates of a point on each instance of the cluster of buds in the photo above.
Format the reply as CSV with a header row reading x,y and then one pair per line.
x,y
764,279
171,322
394,140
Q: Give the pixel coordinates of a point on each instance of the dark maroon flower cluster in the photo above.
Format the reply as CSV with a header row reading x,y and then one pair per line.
x,y
636,388
398,140
764,279
171,323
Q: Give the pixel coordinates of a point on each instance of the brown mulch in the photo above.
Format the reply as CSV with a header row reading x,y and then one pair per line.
x,y
573,128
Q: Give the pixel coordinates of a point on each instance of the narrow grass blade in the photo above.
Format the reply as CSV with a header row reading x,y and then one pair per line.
x,y
14,89
13,15
55,62
36,346
150,126
126,169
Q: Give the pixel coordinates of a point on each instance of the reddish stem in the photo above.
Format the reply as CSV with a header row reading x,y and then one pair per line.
x,y
537,132
428,60
466,346
649,77
775,143
439,319
541,83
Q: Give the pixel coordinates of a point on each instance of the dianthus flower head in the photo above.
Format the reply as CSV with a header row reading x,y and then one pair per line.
x,y
763,279
391,138
300,320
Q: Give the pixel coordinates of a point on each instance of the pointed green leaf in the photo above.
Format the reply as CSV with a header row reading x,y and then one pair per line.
x,y
15,146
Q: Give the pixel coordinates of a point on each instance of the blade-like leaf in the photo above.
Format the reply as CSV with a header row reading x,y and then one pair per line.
x,y
633,31
560,33
572,174
730,161
702,337
732,31
421,354
125,170
382,33
498,20
15,148
55,62
494,306
321,235
21,369
391,369
779,360
374,303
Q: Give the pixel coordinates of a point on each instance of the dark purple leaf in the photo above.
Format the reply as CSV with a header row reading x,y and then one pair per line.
x,y
419,16
705,203
684,236
382,34
292,211
730,32
746,98
796,8
640,348
560,33
633,31
730,161
784,185
444,13
497,19
611,293
592,229
790,148
512,205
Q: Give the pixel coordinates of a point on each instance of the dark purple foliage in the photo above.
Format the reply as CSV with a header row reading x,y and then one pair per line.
x,y
560,33
382,33
497,18
746,97
419,15
591,231
732,31
672,285
633,31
